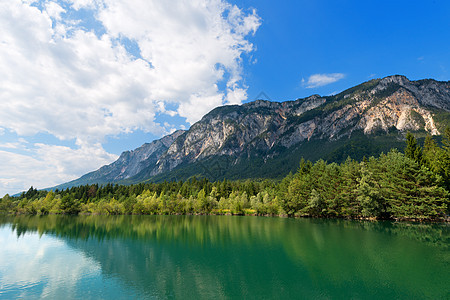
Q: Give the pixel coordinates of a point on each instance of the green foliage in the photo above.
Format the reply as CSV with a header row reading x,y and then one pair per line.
x,y
6,204
441,118
412,150
368,191
437,159
257,166
414,185
345,98
381,95
418,118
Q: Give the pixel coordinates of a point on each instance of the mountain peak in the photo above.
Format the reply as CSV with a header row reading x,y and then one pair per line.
x,y
398,79
244,138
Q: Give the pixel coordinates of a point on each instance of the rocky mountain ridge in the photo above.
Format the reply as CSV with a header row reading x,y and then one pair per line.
x,y
392,102
267,129
129,163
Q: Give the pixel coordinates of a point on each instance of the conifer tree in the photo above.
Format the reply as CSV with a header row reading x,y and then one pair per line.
x,y
446,158
368,192
315,203
412,150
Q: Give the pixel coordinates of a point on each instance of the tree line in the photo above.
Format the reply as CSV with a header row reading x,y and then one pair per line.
x,y
410,185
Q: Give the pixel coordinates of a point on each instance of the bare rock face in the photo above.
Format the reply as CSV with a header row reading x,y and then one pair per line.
x,y
382,104
130,163
261,127
231,130
428,92
301,133
400,110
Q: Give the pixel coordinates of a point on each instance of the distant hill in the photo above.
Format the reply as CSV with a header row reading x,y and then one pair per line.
x,y
264,139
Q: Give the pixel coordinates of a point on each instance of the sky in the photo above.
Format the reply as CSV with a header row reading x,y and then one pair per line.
x,y
83,80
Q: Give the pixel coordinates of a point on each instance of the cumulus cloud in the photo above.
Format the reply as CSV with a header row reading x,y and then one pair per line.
x,y
84,86
318,80
78,87
54,10
44,166
65,79
189,44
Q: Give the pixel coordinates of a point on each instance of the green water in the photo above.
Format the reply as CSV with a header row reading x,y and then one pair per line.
x,y
205,257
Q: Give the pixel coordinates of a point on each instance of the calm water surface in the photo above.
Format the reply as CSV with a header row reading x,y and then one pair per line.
x,y
204,257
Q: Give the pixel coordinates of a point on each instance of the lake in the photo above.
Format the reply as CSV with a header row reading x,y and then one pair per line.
x,y
205,257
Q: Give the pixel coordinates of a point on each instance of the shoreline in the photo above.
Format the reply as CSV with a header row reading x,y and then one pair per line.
x,y
371,219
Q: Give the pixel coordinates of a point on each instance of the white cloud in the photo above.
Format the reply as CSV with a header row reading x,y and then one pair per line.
x,y
82,86
70,162
78,4
18,170
200,104
65,80
184,41
55,275
318,80
9,145
47,165
236,96
54,10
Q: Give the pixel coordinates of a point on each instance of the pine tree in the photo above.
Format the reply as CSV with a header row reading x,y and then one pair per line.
x,y
446,158
412,150
368,192
350,174
315,203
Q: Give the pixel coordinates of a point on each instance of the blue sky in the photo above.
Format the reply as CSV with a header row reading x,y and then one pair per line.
x,y
84,80
361,39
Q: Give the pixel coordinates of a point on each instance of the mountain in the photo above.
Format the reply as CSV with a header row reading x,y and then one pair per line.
x,y
128,164
263,139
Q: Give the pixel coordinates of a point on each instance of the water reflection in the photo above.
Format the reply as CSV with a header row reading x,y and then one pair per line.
x,y
223,256
33,267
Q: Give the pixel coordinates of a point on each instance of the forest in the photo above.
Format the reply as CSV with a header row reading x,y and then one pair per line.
x,y
414,185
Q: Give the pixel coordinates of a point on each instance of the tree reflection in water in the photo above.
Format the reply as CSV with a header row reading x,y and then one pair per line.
x,y
225,256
